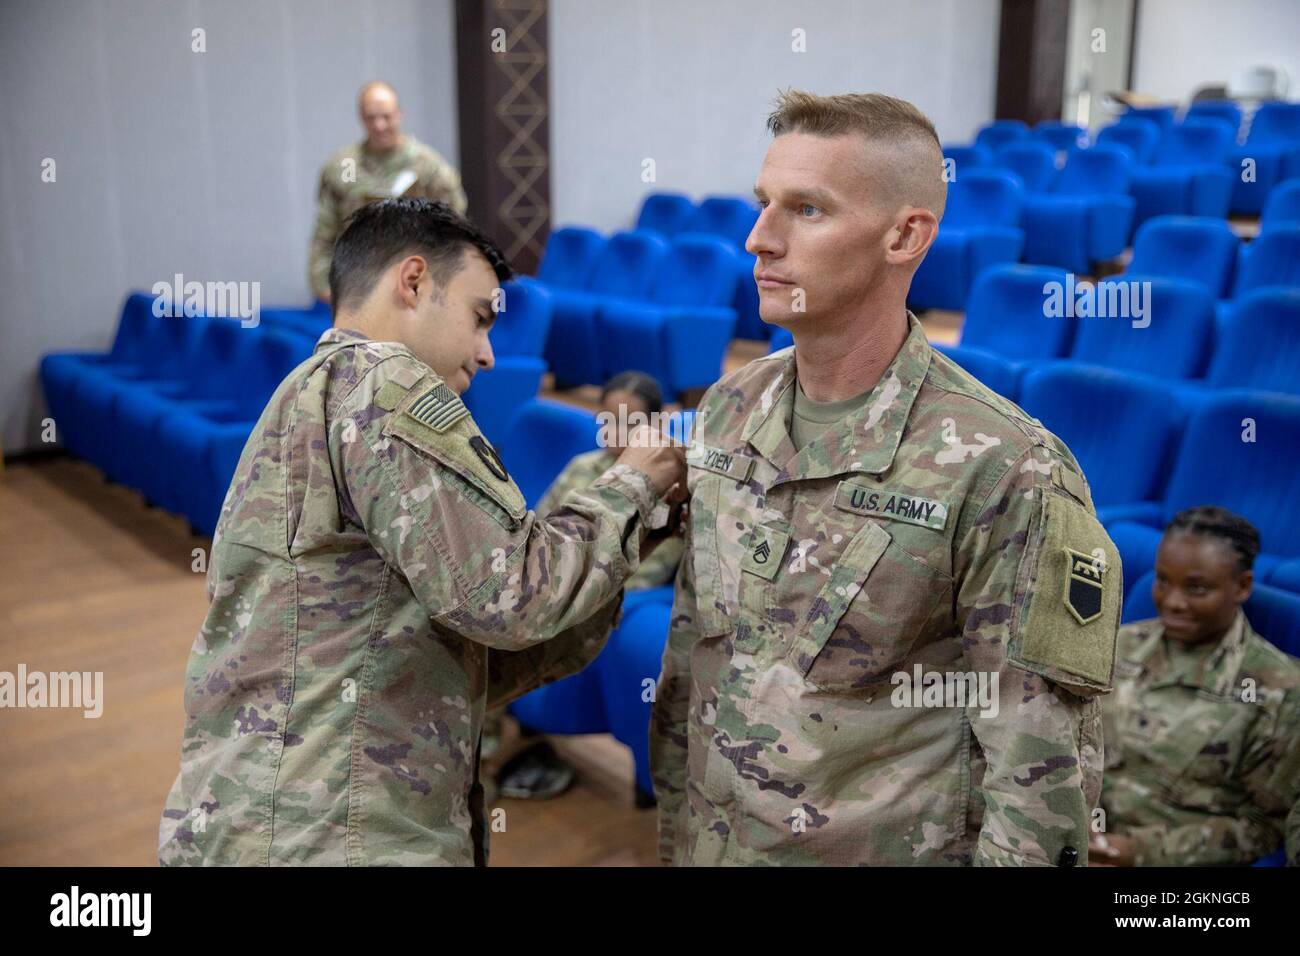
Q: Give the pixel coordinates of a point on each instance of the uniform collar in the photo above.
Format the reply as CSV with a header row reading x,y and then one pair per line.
x,y
1215,672
871,435
336,336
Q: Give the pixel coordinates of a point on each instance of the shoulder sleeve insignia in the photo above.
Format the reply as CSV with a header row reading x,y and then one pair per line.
x,y
438,407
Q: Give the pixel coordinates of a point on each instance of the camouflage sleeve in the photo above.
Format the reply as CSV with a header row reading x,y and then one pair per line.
x,y
660,565
670,711
327,229
1049,642
480,563
1270,775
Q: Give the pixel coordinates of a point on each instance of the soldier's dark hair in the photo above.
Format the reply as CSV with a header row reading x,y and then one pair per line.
x,y
1211,521
381,233
641,385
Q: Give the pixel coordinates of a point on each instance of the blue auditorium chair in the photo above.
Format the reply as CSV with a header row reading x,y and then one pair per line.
x,y
1140,137
1272,260
1062,137
1174,341
992,136
1274,138
781,338
732,218
625,270
1283,206
128,357
518,339
1217,466
665,213
1007,326
1185,247
1187,175
1162,116
1286,576
980,229
1225,111
1272,612
1087,215
1259,347
544,436
311,321
681,333
569,257
1032,160
1123,429
967,157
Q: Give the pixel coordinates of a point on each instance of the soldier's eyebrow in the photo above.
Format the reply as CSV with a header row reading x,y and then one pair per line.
x,y
485,303
803,194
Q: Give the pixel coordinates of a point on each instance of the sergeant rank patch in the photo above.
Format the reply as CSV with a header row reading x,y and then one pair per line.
x,y
439,408
1084,586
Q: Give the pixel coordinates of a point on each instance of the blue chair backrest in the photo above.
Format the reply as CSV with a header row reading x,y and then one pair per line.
x,y
524,320
1123,429
1061,136
1275,123
628,264
272,355
781,338
570,256
225,354
1007,313
1260,347
1273,259
1172,340
1101,170
1140,136
1196,142
665,213
967,157
1162,116
1032,160
1257,479
1186,247
729,217
984,197
543,438
998,133
1272,612
1223,110
1283,206
698,270
136,327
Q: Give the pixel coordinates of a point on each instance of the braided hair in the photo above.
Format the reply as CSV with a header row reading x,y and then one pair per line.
x,y
1211,521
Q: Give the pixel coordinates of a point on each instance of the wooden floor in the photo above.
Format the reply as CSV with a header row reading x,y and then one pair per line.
x,y
93,580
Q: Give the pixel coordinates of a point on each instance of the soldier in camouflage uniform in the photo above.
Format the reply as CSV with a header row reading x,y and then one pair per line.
x,y
386,163
1203,730
376,581
932,529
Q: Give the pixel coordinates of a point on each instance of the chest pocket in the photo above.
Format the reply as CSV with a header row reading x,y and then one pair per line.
x,y
868,615
1195,741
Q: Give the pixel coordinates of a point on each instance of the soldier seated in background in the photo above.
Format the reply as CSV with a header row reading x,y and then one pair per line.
x,y
387,163
1203,729
538,772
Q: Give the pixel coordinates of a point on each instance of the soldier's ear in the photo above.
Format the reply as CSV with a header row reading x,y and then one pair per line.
x,y
913,234
1245,585
412,272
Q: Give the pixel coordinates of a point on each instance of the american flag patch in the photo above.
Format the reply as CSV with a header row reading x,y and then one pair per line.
x,y
439,408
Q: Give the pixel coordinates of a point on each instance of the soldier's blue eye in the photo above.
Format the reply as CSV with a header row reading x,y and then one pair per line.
x,y
808,209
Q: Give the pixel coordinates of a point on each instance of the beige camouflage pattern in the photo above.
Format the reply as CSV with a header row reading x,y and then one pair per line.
x,y
374,174
660,565
1197,772
373,589
774,739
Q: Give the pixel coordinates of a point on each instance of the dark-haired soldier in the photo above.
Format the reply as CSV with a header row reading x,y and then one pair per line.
x,y
376,581
1203,729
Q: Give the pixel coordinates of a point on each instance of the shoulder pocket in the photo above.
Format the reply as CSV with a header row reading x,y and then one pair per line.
x,y
1071,599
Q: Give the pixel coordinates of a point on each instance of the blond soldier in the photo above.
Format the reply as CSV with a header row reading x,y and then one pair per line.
x,y
896,607
386,163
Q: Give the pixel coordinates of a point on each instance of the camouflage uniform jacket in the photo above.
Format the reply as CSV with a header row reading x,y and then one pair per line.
x,y
354,176
660,566
375,582
940,529
1203,766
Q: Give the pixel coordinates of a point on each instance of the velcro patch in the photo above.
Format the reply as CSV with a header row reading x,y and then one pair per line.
x,y
439,408
1085,586
726,463
883,503
766,550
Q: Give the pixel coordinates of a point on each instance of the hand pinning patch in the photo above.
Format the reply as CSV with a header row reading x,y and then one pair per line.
x,y
488,455
439,408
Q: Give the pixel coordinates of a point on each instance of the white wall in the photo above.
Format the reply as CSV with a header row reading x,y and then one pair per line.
x,y
689,84
1184,44
173,161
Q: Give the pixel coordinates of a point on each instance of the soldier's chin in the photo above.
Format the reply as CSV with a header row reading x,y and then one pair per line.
x,y
1179,629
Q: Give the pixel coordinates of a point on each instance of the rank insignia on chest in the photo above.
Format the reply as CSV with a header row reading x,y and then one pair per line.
x,y
439,408
765,552
896,505
722,462
1084,586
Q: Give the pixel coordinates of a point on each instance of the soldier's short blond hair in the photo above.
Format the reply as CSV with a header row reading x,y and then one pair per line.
x,y
914,165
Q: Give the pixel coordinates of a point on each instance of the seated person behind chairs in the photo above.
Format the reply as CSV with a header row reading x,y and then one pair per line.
x,y
1203,730
538,772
